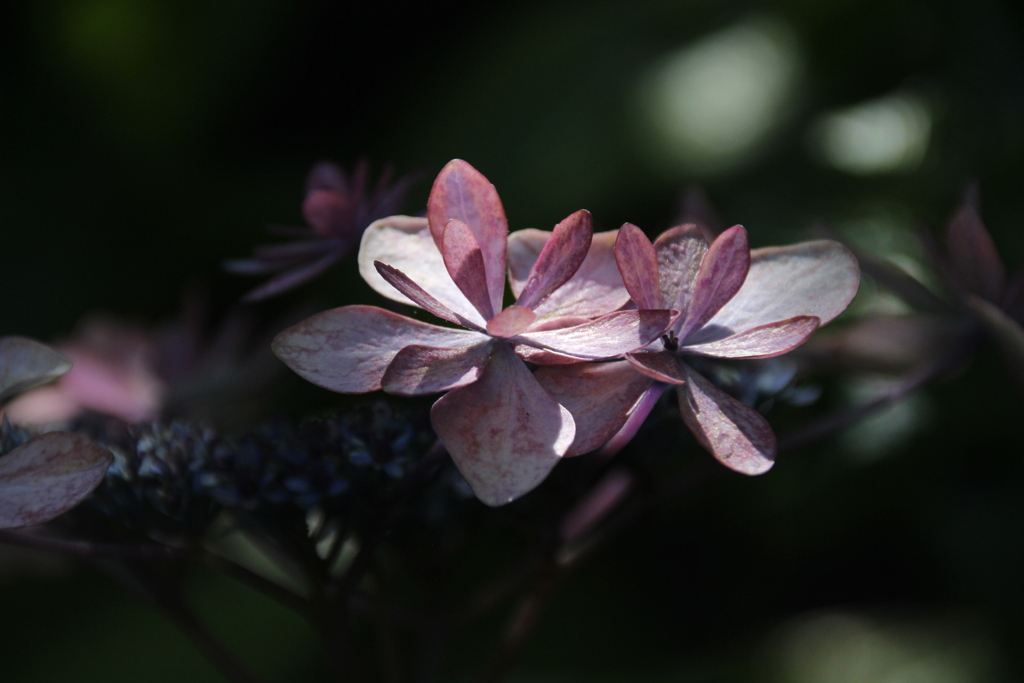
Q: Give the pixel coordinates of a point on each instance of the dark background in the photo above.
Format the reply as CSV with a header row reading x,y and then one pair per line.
x,y
142,143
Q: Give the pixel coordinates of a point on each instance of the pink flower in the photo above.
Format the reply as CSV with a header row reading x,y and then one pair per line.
x,y
733,303
504,432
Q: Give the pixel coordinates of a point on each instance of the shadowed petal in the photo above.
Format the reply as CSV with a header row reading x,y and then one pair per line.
x,y
462,192
25,363
1004,330
735,434
974,255
465,263
561,257
402,283
680,251
765,341
660,365
405,243
348,349
636,418
48,476
810,278
595,290
607,337
511,321
504,432
294,277
638,265
721,275
418,370
600,397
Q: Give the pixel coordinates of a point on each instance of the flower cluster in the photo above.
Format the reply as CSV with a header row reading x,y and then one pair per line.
x,y
609,318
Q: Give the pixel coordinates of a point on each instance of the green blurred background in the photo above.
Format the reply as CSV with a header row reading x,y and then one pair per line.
x,y
141,143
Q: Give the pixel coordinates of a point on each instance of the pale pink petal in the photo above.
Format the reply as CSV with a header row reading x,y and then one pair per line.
x,y
463,193
418,370
47,476
610,336
638,265
635,420
406,286
559,260
721,275
810,278
600,397
465,263
974,255
348,349
504,432
680,251
541,357
511,321
595,290
405,243
765,341
25,363
660,365
735,434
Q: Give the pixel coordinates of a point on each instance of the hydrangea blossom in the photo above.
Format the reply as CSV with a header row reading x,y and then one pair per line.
x,y
733,303
504,432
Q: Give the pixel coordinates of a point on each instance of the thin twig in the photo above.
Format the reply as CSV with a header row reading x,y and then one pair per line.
x,y
90,549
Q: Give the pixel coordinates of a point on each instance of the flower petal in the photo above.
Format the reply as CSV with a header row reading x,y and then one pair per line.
x,y
644,405
561,257
638,265
465,263
817,278
680,251
600,397
26,363
610,336
405,243
765,341
462,192
504,432
721,275
406,286
595,290
660,365
1005,332
47,476
974,255
418,370
511,322
735,434
348,349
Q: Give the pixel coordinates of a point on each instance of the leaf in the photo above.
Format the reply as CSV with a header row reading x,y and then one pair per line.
x,y
736,434
463,193
26,363
558,261
348,349
504,432
47,476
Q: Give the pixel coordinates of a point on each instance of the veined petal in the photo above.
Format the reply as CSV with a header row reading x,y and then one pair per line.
x,y
765,341
735,434
974,255
504,432
541,357
47,476
595,290
610,336
817,279
348,349
600,397
680,251
465,263
424,300
721,275
26,363
638,264
561,257
405,243
463,193
663,366
511,321
418,370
